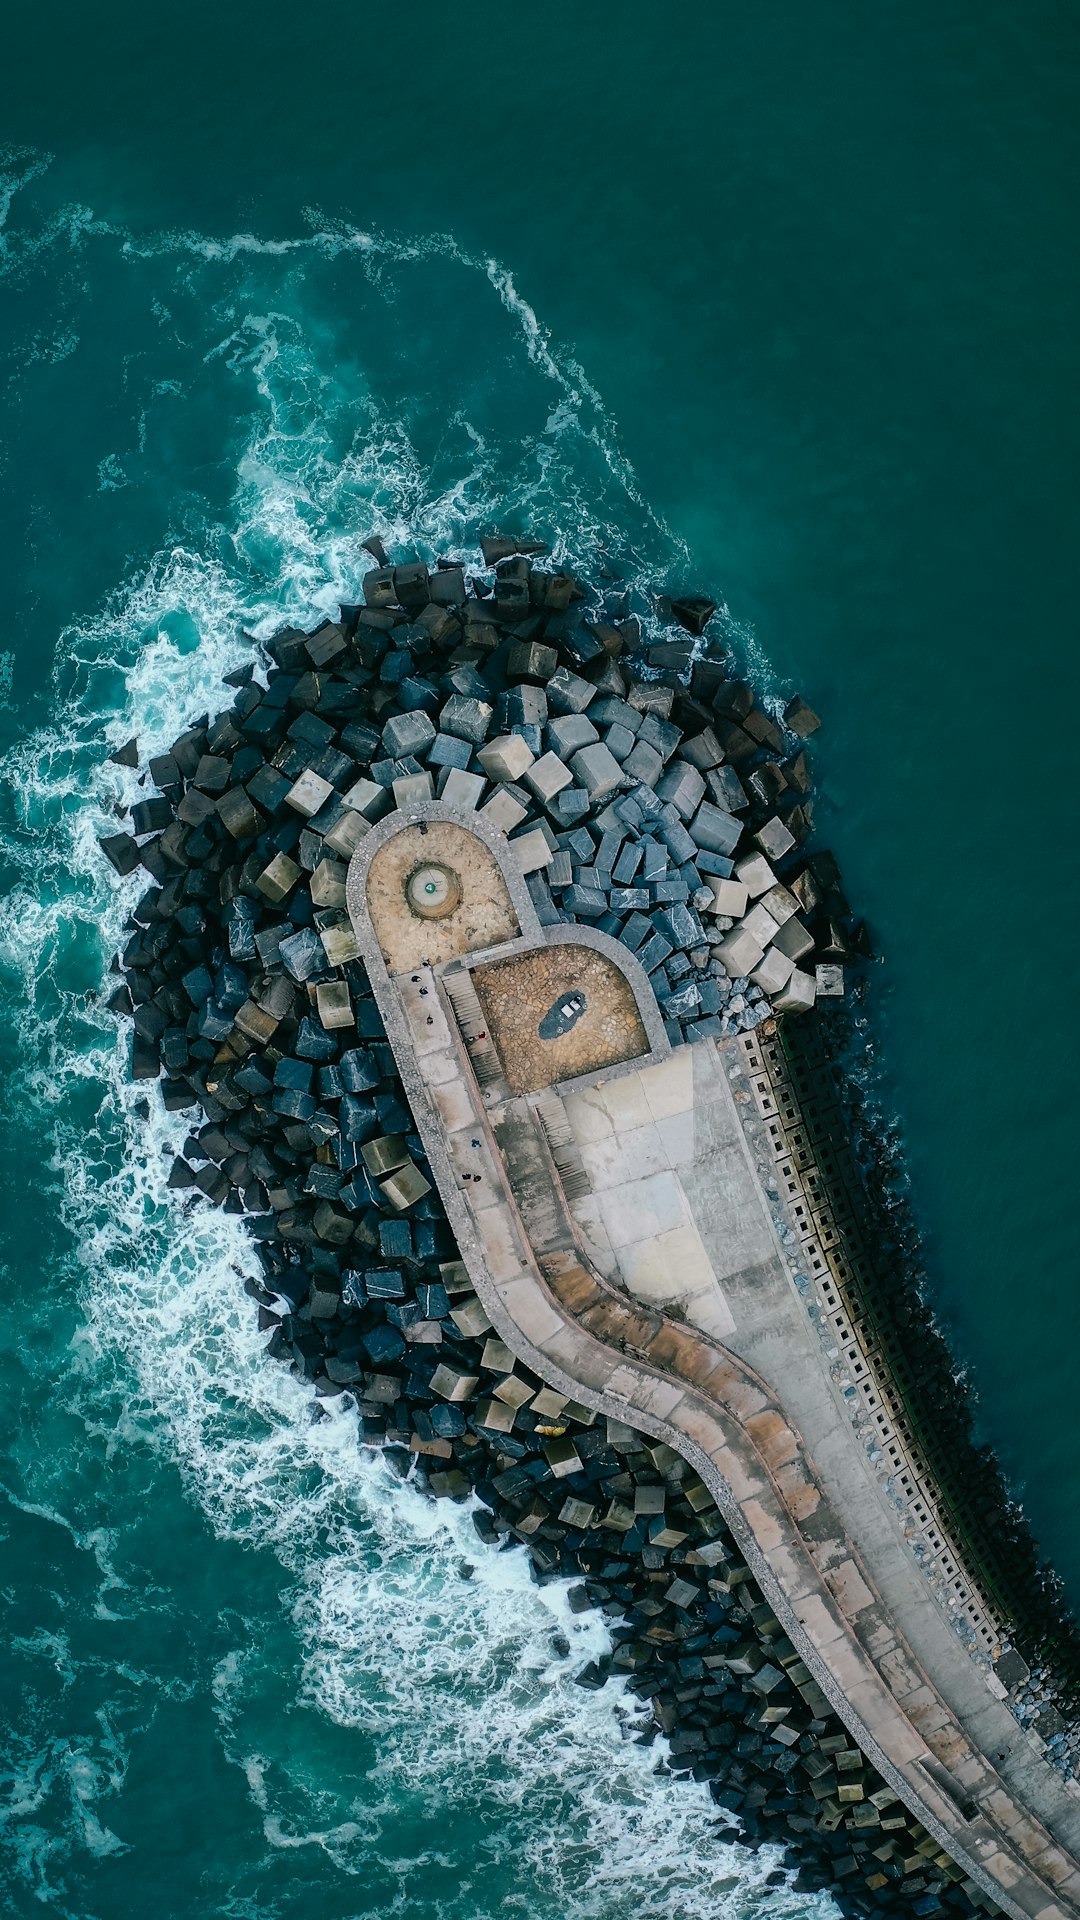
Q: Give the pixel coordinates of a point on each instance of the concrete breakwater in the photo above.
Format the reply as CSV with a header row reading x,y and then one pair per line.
x,y
669,819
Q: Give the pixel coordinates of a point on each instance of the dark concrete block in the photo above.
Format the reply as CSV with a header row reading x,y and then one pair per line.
x,y
302,954
213,1183
654,951
693,611
151,816
213,773
800,718
763,729
121,851
239,817
727,789
715,831
568,693
327,644
587,903
469,719
378,587
196,806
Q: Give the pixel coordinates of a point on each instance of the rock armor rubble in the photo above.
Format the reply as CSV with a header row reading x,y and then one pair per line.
x,y
646,793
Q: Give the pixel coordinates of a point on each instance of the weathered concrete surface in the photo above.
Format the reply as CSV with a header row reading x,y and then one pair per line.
x,y
756,1416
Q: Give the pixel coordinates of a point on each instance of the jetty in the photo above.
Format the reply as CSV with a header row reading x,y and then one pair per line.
x,y
599,1175
473,937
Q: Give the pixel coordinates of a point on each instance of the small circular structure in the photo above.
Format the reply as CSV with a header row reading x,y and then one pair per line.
x,y
433,890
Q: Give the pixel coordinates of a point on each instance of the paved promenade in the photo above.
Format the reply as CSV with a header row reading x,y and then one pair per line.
x,y
621,1244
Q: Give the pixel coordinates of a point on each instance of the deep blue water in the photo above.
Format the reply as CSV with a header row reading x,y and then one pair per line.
x,y
777,303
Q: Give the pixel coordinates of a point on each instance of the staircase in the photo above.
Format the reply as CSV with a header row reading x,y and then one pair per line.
x,y
564,1148
472,1024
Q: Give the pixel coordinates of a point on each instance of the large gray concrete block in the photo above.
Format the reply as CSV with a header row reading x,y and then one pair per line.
x,y
467,718
729,897
461,789
568,693
408,733
759,924
756,874
597,770
506,758
798,993
739,953
774,972
547,776
568,732
715,830
505,809
644,763
774,839
681,786
309,793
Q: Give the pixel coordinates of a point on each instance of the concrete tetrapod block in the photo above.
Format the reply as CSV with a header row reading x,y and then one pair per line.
x,y
739,953
829,977
774,972
756,874
547,776
798,993
597,770
507,758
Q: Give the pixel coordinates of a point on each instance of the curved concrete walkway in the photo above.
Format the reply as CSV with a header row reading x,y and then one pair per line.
x,y
842,1588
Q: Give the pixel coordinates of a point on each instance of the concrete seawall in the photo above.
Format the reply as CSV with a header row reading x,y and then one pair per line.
x,y
659,1291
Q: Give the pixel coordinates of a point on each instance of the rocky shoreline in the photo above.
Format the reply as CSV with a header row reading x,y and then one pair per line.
x,y
645,792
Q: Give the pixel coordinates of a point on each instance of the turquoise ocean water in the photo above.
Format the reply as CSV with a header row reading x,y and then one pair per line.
x,y
777,303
